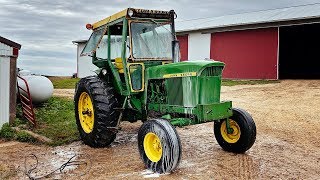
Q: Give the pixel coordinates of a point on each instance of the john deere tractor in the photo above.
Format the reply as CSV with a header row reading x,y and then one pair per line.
x,y
139,77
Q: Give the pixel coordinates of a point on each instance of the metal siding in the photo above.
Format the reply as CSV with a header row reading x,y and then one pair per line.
x,y
4,89
5,50
183,41
198,46
263,16
249,54
85,66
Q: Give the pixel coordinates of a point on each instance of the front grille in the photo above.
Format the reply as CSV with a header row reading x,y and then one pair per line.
x,y
157,92
212,71
175,91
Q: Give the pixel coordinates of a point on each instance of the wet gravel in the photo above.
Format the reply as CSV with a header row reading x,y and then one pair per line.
x,y
287,145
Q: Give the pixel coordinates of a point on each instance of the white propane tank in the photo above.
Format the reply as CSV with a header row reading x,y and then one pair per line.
x,y
40,87
24,72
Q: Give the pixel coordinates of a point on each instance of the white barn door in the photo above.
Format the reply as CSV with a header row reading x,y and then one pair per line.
x,y
199,46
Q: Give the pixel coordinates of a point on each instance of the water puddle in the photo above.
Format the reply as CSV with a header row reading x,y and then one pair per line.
x,y
60,162
149,174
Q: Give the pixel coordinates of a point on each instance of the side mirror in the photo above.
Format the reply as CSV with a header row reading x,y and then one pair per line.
x,y
136,76
176,51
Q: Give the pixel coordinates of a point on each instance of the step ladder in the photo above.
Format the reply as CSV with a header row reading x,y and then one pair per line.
x,y
26,101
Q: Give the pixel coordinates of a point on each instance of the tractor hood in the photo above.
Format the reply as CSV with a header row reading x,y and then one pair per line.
x,y
181,69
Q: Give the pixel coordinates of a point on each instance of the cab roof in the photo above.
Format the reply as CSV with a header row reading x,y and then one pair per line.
x,y
136,13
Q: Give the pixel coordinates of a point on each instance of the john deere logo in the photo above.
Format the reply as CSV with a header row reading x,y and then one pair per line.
x,y
180,75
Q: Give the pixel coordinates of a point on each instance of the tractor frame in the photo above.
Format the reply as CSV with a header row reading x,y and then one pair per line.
x,y
139,77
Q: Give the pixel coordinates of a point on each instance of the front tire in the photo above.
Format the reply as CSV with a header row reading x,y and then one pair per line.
x,y
159,146
94,102
243,132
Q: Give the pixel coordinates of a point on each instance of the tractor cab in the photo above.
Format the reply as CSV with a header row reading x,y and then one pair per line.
x,y
131,41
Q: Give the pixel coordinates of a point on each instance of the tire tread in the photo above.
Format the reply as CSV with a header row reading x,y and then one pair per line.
x,y
104,102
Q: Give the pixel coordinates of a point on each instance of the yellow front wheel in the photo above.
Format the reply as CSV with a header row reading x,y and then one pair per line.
x,y
234,133
241,134
152,147
159,144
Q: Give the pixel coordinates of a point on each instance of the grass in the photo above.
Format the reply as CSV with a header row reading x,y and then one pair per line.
x,y
55,120
63,82
227,82
8,133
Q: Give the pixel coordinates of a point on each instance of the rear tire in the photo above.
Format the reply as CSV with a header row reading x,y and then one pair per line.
x,y
159,145
94,102
244,132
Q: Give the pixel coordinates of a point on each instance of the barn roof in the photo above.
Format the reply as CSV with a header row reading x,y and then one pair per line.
x,y
293,13
9,43
80,41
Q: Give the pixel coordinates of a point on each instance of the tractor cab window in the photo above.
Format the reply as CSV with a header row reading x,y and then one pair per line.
x,y
102,50
116,46
93,41
98,43
116,43
151,40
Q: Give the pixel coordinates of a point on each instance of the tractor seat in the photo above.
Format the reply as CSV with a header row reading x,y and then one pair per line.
x,y
118,64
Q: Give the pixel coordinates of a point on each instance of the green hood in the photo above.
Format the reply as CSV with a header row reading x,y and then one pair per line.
x,y
186,68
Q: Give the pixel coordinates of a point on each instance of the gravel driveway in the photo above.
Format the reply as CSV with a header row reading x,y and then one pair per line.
x,y
287,117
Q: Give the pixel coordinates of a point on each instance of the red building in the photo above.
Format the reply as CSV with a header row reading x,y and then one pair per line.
x,y
270,44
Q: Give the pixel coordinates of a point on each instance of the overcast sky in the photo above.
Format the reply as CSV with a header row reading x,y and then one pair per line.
x,y
46,29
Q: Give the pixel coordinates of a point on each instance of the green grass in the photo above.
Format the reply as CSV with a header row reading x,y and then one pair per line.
x,y
7,132
227,82
63,82
55,120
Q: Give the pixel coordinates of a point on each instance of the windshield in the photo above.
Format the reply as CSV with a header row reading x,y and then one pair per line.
x,y
151,40
115,44
93,41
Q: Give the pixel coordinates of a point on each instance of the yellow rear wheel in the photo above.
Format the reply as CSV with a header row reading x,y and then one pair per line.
x,y
86,112
95,104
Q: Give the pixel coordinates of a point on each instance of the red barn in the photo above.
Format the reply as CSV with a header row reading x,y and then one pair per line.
x,y
269,44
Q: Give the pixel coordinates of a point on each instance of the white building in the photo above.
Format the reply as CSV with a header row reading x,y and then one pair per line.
x,y
9,51
85,67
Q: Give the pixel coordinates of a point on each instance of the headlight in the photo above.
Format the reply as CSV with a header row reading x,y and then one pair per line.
x,y
130,12
104,72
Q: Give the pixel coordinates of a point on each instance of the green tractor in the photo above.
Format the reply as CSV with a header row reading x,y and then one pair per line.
x,y
139,77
